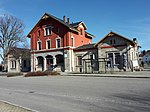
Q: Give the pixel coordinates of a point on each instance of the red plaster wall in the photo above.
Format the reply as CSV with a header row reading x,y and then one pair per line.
x,y
63,32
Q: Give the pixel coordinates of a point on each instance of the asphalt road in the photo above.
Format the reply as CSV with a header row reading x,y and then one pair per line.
x,y
77,94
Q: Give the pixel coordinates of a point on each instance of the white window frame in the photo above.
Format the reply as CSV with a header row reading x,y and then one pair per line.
x,y
47,43
38,45
57,43
49,32
13,64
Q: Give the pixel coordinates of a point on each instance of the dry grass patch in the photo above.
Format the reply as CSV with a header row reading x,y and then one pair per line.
x,y
14,74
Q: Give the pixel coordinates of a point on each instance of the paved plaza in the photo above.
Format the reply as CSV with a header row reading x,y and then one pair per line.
x,y
78,93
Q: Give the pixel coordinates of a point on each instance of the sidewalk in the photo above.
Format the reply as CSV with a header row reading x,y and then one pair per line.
x,y
7,107
135,74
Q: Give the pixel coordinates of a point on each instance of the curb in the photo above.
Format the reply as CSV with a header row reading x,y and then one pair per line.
x,y
109,76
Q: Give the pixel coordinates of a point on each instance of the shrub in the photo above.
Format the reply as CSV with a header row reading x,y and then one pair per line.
x,y
53,73
39,73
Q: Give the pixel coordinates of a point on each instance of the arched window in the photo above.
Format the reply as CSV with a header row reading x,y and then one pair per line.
x,y
49,60
40,61
59,59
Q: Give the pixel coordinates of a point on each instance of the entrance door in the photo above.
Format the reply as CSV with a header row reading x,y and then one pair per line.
x,y
49,62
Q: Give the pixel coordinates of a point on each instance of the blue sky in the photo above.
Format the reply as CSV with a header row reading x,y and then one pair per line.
x,y
130,18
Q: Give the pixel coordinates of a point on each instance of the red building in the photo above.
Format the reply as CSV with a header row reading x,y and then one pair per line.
x,y
53,42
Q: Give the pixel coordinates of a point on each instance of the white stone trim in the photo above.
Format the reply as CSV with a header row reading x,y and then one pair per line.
x,y
53,49
38,45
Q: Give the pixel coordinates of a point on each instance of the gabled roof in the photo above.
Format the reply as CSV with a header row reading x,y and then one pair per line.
x,y
70,26
46,15
90,35
84,47
113,33
18,51
75,25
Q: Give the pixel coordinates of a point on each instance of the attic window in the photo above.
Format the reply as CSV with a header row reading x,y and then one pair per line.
x,y
47,31
112,42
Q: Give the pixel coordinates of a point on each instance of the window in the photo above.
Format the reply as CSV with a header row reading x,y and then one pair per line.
x,y
79,60
114,41
114,58
91,56
110,57
110,41
39,45
13,64
48,31
40,61
117,58
39,33
72,41
48,44
58,42
57,30
49,59
59,59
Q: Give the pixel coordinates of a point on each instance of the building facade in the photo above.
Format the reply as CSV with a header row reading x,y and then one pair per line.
x,y
63,46
117,52
18,60
53,42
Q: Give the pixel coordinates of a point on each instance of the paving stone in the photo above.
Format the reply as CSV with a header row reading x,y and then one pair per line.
x,y
6,107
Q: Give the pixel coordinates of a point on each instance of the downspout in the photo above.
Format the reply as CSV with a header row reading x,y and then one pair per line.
x,y
63,55
71,54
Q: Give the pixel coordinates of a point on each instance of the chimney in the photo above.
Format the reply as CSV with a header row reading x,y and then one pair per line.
x,y
64,18
68,20
134,39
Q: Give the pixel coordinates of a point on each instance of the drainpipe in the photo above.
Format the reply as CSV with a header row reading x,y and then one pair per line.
x,y
63,55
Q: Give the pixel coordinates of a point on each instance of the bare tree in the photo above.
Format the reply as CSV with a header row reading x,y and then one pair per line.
x,y
11,34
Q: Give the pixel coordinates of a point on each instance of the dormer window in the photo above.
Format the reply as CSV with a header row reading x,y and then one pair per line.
x,y
81,33
47,31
